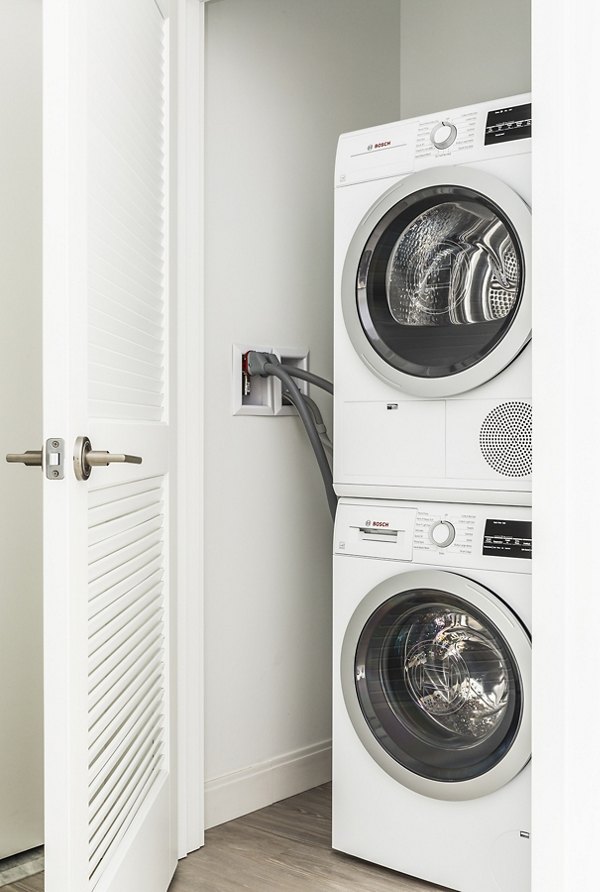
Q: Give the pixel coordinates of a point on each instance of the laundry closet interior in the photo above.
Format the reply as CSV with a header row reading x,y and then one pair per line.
x,y
282,81
277,98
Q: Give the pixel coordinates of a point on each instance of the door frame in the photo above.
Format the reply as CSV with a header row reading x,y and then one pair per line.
x,y
563,54
566,482
187,338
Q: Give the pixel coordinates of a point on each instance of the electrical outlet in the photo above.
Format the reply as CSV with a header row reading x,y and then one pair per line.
x,y
259,397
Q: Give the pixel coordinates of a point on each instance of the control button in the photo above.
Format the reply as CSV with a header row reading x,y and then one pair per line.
x,y
442,533
443,135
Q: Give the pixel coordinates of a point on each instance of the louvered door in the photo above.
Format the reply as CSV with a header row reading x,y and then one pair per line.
x,y
109,766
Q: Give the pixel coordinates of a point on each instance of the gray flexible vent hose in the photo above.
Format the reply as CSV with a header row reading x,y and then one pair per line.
x,y
309,424
320,424
314,409
322,430
295,372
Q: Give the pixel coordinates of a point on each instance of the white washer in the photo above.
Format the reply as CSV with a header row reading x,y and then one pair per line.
x,y
433,307
432,691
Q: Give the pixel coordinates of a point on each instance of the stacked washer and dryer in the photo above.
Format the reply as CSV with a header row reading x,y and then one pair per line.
x,y
432,464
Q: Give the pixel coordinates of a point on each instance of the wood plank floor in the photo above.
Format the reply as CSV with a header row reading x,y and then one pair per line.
x,y
31,884
282,848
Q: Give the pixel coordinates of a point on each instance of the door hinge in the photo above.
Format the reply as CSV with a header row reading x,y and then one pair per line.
x,y
55,458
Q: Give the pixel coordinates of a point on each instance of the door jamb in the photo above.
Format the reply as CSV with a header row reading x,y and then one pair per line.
x,y
188,96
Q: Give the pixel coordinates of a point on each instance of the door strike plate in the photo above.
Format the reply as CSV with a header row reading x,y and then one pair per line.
x,y
55,458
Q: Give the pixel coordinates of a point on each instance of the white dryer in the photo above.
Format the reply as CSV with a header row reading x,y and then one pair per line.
x,y
432,691
433,307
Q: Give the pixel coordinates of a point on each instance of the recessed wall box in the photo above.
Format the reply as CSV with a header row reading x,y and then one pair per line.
x,y
263,396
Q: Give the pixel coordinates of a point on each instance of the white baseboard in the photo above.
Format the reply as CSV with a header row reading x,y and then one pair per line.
x,y
233,795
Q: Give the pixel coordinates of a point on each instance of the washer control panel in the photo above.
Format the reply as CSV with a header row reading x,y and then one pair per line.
x,y
507,538
444,532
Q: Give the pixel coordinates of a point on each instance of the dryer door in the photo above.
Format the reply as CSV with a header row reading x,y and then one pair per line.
x,y
435,288
435,672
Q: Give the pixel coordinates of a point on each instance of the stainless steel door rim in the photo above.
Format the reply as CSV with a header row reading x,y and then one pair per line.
x,y
510,631
516,212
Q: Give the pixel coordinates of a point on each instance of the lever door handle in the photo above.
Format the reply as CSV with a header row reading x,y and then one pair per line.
x,y
85,458
32,458
98,459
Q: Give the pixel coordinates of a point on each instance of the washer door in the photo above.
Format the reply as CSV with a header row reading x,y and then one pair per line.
x,y
435,288
435,673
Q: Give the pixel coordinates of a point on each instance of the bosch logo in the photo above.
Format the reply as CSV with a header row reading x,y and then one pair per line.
x,y
377,523
379,145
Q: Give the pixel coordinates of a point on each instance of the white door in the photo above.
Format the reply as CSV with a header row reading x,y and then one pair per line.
x,y
108,730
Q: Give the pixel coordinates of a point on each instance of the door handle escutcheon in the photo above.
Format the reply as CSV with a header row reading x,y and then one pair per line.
x,y
85,458
32,458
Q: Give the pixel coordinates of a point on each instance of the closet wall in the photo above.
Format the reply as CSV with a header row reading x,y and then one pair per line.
x,y
457,53
283,80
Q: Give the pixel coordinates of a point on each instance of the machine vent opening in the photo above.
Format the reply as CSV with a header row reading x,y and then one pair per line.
x,y
505,439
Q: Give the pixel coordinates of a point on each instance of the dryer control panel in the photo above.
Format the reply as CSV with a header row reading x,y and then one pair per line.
x,y
465,135
508,124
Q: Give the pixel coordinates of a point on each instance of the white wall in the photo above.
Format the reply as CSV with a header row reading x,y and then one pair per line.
x,y
21,427
566,319
283,80
462,52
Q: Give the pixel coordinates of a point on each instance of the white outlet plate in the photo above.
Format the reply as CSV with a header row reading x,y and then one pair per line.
x,y
265,394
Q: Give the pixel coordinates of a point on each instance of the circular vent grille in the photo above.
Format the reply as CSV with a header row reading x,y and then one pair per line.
x,y
505,439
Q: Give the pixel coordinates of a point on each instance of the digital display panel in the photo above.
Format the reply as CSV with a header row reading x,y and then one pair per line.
x,y
508,124
507,538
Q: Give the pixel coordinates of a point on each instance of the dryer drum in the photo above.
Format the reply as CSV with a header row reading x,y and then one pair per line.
x,y
435,289
440,281
456,264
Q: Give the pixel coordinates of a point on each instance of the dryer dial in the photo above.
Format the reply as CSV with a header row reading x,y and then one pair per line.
x,y
443,135
442,533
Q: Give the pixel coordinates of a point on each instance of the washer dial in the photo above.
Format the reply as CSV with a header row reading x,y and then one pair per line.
x,y
442,533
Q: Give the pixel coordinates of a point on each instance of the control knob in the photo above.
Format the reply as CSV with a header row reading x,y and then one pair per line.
x,y
443,135
442,533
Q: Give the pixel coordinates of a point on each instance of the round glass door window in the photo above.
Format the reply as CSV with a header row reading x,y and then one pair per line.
x,y
438,685
440,281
